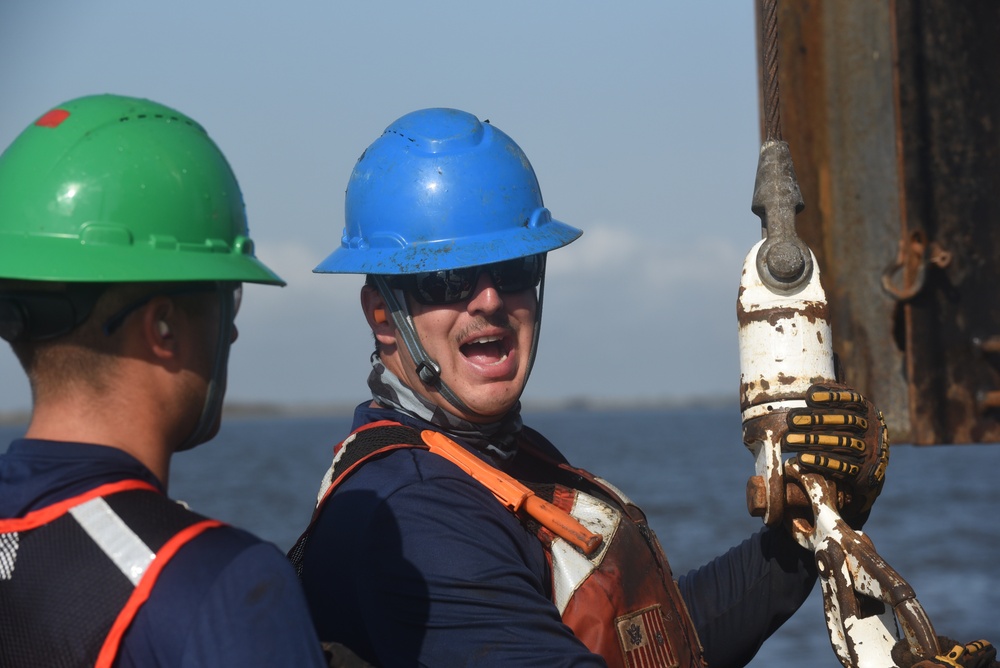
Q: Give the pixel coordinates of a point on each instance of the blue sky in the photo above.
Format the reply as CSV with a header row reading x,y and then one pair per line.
x,y
640,120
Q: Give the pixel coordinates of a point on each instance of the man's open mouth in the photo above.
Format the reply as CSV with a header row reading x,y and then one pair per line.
x,y
487,350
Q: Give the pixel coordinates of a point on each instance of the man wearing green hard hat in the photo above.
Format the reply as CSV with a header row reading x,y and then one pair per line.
x,y
123,248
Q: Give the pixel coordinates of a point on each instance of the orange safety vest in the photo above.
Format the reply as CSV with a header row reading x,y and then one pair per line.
x,y
73,575
616,593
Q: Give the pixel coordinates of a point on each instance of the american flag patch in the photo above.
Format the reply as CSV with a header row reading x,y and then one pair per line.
x,y
643,639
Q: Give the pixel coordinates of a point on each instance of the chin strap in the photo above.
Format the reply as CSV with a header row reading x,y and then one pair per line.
x,y
217,383
427,369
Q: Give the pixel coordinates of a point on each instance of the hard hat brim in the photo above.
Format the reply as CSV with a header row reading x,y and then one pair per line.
x,y
64,261
395,259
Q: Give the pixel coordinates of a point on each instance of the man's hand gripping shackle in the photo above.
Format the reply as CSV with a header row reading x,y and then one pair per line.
x,y
792,405
841,435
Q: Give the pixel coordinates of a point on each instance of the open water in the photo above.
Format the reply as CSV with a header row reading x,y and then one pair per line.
x,y
937,521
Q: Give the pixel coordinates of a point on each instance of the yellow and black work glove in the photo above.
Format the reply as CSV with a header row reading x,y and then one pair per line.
x,y
841,436
978,654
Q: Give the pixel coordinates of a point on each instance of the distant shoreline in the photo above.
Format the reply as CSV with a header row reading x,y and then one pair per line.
x,y
249,410
266,410
237,410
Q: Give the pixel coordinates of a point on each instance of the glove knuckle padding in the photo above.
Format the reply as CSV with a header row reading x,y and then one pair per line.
x,y
842,435
976,654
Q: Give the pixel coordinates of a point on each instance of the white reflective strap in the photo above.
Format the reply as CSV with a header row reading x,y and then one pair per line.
x,y
8,554
112,535
570,567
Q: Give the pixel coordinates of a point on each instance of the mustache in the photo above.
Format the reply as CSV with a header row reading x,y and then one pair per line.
x,y
497,320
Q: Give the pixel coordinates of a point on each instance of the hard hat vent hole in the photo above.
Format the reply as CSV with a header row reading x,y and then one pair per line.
x,y
174,119
400,134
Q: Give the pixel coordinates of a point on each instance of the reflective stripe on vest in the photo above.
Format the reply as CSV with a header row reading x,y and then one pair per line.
x,y
570,568
73,575
112,535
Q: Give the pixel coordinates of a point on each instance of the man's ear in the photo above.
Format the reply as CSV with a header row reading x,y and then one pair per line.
x,y
158,320
377,314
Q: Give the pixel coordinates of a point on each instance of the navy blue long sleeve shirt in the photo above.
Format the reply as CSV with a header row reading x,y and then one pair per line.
x,y
412,562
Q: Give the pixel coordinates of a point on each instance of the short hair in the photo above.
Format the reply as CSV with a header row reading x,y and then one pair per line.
x,y
86,354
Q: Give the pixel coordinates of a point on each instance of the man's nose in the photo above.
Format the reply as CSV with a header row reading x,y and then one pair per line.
x,y
485,297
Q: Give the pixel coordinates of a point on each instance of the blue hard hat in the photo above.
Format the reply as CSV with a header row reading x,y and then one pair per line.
x,y
441,190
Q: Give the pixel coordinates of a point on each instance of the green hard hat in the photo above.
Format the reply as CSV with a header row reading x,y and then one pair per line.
x,y
117,189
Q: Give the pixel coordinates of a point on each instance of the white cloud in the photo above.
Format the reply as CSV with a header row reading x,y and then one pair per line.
x,y
615,255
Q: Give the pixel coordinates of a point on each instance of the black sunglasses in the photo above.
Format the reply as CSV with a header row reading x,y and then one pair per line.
x,y
450,286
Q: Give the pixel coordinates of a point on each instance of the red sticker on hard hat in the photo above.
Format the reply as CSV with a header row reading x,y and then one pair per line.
x,y
53,118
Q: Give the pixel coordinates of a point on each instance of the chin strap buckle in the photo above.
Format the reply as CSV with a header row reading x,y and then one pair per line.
x,y
428,372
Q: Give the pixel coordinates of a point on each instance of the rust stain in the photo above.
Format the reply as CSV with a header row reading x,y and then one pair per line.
x,y
811,311
786,380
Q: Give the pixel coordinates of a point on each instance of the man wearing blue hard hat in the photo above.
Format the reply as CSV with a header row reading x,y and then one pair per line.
x,y
446,532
